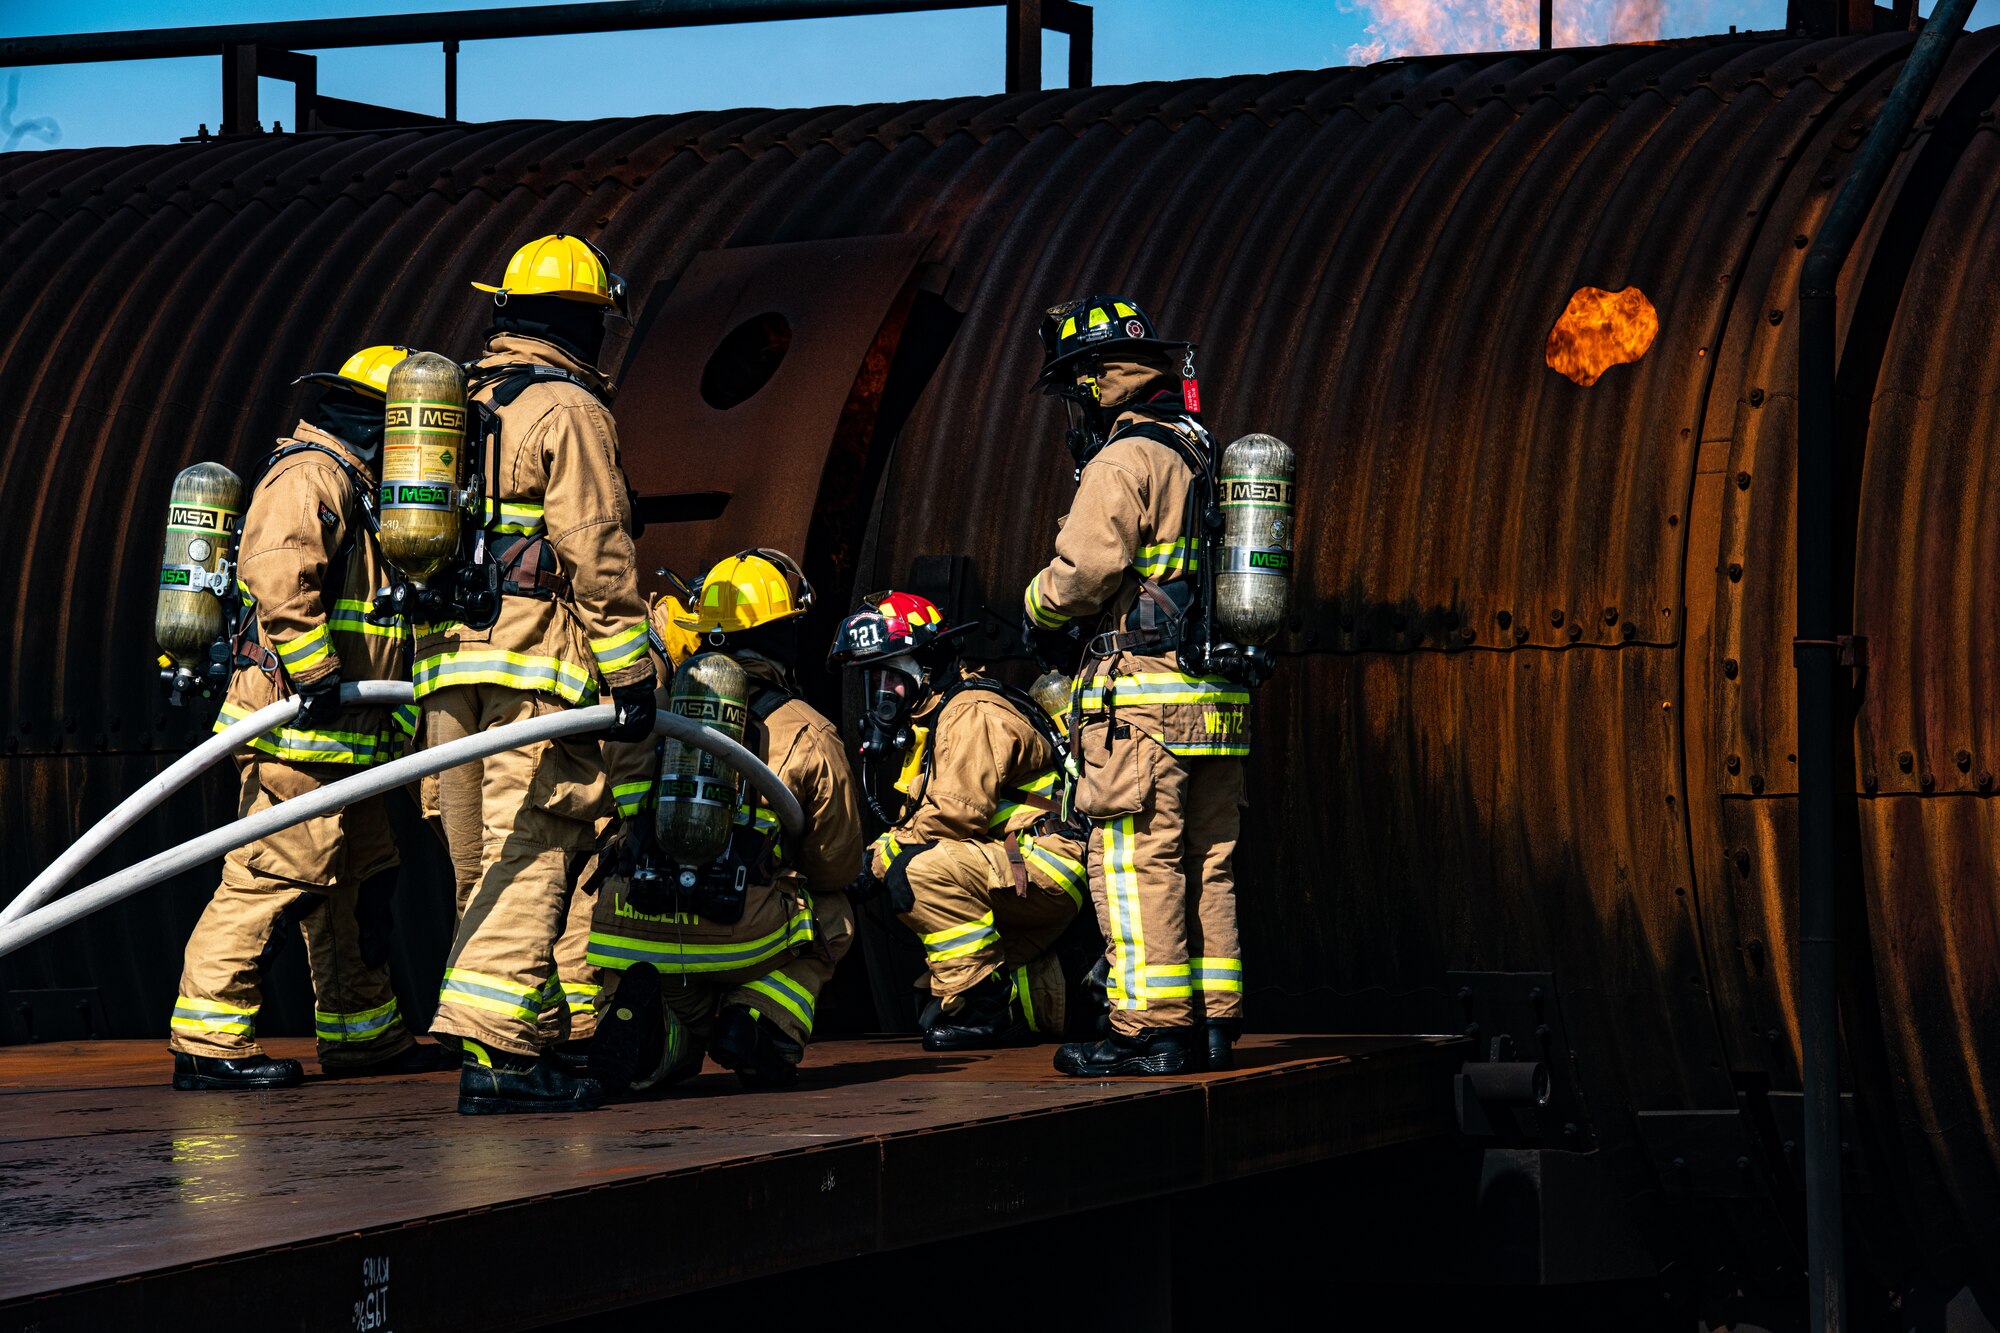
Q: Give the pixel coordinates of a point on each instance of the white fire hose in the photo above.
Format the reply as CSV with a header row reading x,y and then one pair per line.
x,y
139,804
385,777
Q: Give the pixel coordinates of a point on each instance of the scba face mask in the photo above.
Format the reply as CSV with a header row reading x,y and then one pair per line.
x,y
890,691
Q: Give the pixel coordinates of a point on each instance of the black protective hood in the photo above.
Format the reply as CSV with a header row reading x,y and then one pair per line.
x,y
353,418
575,327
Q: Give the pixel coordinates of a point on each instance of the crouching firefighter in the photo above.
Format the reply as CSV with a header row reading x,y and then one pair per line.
x,y
308,563
1159,720
539,611
725,931
981,864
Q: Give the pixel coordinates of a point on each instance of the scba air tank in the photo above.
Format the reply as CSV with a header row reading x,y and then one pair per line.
x,y
204,520
1253,576
423,465
698,792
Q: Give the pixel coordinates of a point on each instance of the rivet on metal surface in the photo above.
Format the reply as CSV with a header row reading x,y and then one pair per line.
x,y
1729,667
1868,781
1575,633
1743,481
1985,781
1777,316
1610,615
1733,763
1673,520
1756,784
1906,761
1520,634
1503,618
1756,398
1735,572
1742,860
1927,781
1468,634
1556,616
1630,632
1963,758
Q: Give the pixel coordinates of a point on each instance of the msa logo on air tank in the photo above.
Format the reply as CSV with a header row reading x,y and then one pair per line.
x,y
424,416
1256,490
201,518
725,713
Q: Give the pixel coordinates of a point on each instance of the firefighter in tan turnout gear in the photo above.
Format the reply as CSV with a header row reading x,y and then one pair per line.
x,y
728,957
308,566
1158,749
980,865
571,627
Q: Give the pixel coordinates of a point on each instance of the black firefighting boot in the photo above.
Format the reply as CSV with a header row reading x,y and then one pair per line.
x,y
1218,1043
752,1045
983,1017
497,1082
631,1039
424,1057
1151,1051
212,1073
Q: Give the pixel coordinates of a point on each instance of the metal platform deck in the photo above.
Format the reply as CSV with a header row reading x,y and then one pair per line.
x,y
371,1205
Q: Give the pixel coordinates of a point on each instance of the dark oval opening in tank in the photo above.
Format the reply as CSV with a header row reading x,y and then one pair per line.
x,y
744,361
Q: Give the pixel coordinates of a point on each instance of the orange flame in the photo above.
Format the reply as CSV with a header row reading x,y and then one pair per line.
x,y
1428,27
1599,330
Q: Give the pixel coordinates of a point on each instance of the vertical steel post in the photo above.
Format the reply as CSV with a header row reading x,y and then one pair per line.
x,y
1816,652
239,89
451,80
1024,45
1548,25
1080,43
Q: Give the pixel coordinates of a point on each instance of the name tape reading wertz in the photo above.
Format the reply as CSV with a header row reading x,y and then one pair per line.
x,y
1255,491
423,416
202,518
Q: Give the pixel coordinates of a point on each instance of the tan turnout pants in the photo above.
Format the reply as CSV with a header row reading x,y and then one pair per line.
x,y
973,922
321,875
1163,885
529,813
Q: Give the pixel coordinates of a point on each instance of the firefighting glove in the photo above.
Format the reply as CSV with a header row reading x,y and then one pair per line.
x,y
319,702
896,878
636,710
863,886
1052,649
634,845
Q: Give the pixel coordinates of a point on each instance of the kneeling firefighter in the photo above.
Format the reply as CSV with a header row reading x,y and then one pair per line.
x,y
981,864
725,931
309,562
1159,723
542,612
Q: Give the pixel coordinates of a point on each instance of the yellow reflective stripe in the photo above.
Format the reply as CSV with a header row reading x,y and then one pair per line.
x,y
1206,749
1122,310
1162,687
494,994
1217,974
1038,611
1064,873
787,994
1069,327
1099,315
495,666
1128,933
351,617
619,952
307,746
1168,981
580,996
519,516
306,651
207,1016
621,649
361,1025
631,797
960,939
1166,558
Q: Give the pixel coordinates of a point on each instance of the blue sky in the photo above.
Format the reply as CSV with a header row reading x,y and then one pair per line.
x,y
812,63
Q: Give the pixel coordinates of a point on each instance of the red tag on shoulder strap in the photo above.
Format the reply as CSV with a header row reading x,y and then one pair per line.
x,y
1191,393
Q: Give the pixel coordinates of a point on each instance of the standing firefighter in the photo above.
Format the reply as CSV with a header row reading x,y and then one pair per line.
x,y
981,864
569,624
309,564
728,955
1158,748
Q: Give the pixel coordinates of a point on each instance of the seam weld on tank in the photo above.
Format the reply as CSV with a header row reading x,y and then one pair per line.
x,y
1253,583
698,792
204,523
423,465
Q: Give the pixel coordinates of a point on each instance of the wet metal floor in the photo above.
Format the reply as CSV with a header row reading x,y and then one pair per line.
x,y
370,1204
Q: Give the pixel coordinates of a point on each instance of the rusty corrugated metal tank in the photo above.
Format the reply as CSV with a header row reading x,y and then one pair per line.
x,y
1536,714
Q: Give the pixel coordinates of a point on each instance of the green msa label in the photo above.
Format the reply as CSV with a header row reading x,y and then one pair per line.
x,y
177,577
402,495
1279,560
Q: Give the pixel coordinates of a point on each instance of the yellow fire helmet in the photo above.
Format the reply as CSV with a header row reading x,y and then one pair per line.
x,y
560,265
670,619
367,371
748,590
